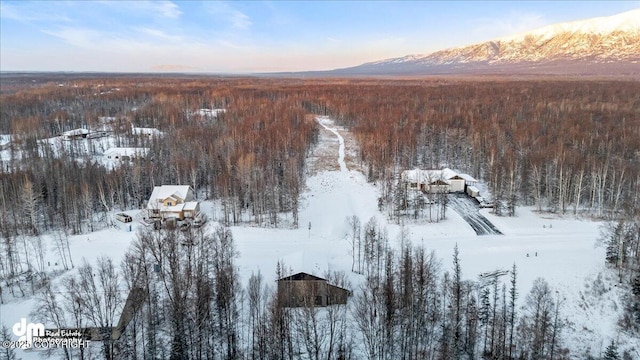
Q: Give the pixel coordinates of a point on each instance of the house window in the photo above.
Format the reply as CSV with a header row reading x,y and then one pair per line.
x,y
169,203
318,301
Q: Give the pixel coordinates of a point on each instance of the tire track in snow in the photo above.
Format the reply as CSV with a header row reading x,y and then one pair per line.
x,y
343,165
464,206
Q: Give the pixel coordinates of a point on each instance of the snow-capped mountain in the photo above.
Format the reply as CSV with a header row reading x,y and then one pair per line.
x,y
600,44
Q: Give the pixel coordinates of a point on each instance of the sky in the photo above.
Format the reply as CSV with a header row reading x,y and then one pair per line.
x,y
259,36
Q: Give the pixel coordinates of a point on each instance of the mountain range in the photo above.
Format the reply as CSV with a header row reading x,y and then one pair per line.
x,y
603,45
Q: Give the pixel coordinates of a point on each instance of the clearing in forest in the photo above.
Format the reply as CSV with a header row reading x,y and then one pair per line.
x,y
324,156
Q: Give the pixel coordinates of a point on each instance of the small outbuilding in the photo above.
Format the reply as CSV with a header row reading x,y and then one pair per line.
x,y
302,290
75,134
473,191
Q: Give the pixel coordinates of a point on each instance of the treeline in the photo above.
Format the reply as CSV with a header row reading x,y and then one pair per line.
x,y
186,301
559,145
252,156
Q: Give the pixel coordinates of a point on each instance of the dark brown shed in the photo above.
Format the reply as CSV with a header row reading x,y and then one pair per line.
x,y
304,289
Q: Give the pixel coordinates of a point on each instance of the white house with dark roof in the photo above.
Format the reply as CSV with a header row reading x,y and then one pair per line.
x,y
172,202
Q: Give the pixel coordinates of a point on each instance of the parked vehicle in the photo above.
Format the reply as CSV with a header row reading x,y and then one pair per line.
x,y
199,220
483,203
123,217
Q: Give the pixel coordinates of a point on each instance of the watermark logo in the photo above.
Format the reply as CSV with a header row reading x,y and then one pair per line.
x,y
26,332
34,335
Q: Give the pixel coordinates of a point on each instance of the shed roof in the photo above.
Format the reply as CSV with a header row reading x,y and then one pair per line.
x,y
301,276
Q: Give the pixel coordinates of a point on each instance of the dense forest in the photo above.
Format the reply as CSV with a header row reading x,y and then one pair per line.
x,y
564,146
559,145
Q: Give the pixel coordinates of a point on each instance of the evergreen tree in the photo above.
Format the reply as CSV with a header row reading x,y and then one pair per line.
x,y
401,200
611,353
612,253
635,287
513,296
484,314
7,353
456,302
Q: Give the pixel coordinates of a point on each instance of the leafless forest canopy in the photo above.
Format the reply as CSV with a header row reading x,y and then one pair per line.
x,y
566,146
562,145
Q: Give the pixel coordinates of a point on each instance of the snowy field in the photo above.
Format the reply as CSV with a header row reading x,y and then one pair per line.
x,y
562,250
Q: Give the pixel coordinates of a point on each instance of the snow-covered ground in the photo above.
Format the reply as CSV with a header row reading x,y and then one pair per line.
x,y
562,250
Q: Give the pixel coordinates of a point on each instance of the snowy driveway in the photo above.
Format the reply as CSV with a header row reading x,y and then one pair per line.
x,y
323,122
468,210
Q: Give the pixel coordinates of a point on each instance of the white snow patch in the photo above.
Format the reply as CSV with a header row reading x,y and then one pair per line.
x,y
628,21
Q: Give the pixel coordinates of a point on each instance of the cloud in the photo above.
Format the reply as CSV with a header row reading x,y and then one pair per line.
x,y
9,12
165,8
28,13
80,37
235,17
515,22
96,40
240,20
158,34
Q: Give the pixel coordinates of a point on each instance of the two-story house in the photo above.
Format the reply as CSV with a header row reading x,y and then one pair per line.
x,y
172,202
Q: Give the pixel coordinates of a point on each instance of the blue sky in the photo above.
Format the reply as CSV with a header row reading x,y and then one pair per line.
x,y
258,36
